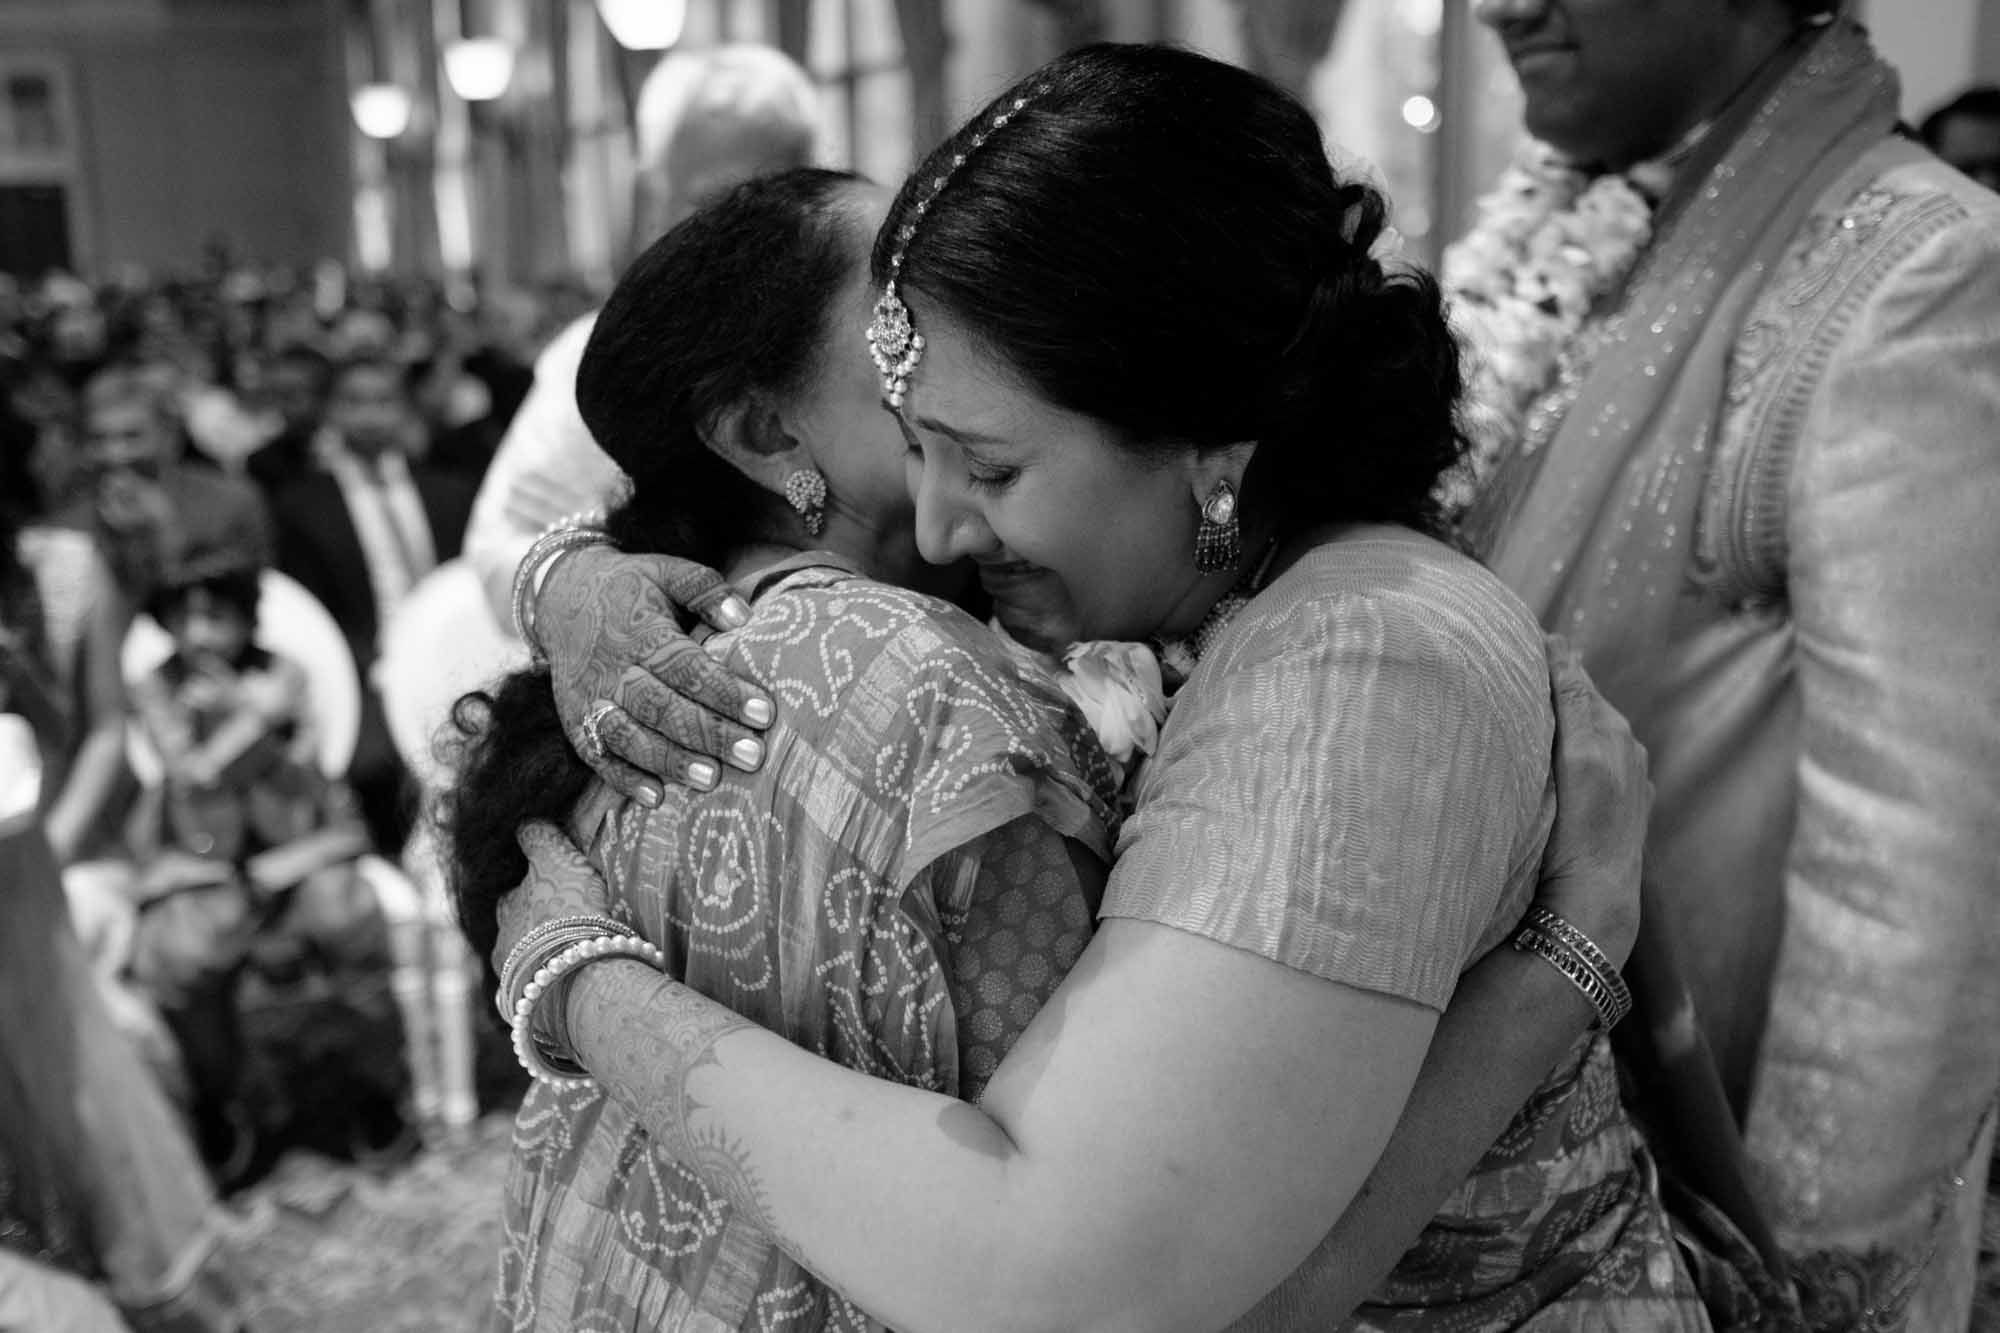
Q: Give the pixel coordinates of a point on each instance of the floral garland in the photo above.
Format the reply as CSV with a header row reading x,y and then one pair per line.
x,y
1550,242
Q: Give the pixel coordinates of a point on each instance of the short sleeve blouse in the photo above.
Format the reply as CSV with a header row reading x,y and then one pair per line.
x,y
1356,780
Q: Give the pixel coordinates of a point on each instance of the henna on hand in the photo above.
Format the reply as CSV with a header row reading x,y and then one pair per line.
x,y
1591,866
560,882
646,1037
609,624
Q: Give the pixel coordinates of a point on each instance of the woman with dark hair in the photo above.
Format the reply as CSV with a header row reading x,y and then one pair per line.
x,y
919,802
1153,382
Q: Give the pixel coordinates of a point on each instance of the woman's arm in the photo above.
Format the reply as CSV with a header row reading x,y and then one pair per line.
x,y
1178,1129
100,759
1511,1019
1155,1153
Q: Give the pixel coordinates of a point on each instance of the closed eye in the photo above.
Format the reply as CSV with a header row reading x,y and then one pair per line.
x,y
991,478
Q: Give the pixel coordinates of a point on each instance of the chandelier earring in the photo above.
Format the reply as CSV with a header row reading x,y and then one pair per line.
x,y
805,491
1218,542
893,340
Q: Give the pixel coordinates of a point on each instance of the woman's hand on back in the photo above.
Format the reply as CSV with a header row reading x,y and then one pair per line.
x,y
560,882
1591,868
610,625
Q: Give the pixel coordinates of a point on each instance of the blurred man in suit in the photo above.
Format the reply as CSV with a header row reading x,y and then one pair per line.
x,y
359,534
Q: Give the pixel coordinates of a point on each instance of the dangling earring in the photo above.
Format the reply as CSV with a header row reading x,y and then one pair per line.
x,y
805,491
1218,542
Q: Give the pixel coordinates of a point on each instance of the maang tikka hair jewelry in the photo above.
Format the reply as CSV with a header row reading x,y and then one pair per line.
x,y
1218,542
805,491
893,341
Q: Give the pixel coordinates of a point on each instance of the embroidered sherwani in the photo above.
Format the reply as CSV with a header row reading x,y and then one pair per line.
x,y
1818,689
1827,749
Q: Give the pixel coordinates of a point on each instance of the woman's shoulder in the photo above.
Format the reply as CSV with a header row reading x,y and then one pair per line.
x,y
929,676
913,693
1387,596
1355,771
871,621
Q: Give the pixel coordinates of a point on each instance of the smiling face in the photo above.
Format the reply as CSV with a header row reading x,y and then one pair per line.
x,y
1613,82
1074,537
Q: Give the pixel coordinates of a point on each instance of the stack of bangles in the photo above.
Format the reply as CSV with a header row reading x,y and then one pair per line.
x,y
1576,956
557,540
534,981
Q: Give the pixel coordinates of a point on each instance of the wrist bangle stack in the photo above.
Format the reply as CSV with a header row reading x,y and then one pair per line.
x,y
544,942
543,1050
565,535
539,967
1575,955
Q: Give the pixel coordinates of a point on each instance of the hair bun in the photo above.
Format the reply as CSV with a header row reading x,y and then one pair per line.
x,y
1364,213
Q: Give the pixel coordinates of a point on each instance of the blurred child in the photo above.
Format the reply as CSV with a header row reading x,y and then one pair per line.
x,y
248,851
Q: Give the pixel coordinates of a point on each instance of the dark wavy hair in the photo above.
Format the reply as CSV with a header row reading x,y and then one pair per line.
x,y
731,305
1156,239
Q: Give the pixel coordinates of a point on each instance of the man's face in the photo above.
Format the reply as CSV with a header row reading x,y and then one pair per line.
x,y
293,387
1613,82
124,438
1972,144
368,409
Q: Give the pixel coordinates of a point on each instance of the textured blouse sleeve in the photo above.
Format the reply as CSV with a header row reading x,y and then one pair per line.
x,y
1345,789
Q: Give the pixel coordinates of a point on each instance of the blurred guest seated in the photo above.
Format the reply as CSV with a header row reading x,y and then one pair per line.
x,y
140,493
96,1174
358,536
474,381
294,389
1965,132
248,851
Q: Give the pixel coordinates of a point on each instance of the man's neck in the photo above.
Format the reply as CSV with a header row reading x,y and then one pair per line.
x,y
1762,42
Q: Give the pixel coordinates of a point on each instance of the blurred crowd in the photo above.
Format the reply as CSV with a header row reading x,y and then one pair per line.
x,y
165,444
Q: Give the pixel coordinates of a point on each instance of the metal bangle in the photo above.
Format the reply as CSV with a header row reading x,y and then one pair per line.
x,y
1550,922
566,534
545,941
1607,992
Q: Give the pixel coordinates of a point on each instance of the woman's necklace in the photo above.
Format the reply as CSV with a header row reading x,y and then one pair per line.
x,y
1179,655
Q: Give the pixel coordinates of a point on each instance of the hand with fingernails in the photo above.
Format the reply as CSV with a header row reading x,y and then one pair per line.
x,y
642,702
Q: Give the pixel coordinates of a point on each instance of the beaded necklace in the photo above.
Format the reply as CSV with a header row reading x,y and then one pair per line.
x,y
1180,654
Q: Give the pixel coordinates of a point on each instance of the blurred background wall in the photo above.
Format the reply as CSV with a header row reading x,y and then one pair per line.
x,y
136,131
490,139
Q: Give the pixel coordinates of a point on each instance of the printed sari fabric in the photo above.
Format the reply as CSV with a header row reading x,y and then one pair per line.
x,y
893,890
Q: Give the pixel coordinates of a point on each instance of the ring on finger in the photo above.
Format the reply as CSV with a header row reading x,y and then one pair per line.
x,y
590,733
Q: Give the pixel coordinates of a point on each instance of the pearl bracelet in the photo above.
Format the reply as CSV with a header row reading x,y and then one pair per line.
x,y
543,942
535,1055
